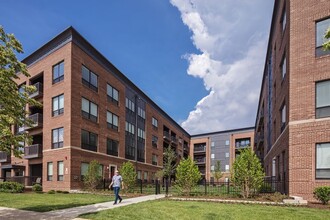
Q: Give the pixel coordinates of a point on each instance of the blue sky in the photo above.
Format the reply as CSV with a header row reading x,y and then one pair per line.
x,y
201,61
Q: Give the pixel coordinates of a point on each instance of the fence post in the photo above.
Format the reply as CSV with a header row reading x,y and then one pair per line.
x,y
156,185
228,187
103,184
205,187
141,186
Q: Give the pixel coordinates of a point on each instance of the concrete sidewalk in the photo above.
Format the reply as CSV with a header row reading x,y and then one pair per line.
x,y
71,213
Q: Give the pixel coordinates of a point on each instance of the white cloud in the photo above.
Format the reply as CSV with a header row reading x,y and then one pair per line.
x,y
232,37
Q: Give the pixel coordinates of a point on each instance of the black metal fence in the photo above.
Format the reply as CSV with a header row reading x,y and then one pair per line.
x,y
25,180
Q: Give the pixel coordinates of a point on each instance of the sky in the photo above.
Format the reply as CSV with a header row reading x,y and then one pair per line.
x,y
201,61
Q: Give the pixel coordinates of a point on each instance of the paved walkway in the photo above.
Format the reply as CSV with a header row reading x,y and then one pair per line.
x,y
71,213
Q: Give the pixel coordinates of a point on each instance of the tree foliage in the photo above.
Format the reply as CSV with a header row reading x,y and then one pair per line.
x,y
247,172
12,103
128,173
326,45
93,176
217,173
169,162
187,175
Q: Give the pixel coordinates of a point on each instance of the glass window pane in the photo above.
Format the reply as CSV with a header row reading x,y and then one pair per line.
x,y
60,168
84,137
61,102
60,134
323,156
115,120
61,69
55,72
85,105
321,28
55,136
50,169
93,139
93,79
109,90
85,73
93,109
115,94
323,94
84,168
109,117
55,103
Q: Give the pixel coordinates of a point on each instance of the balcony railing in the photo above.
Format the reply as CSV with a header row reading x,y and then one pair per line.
x,y
200,160
201,148
166,135
4,157
174,140
38,92
36,120
33,151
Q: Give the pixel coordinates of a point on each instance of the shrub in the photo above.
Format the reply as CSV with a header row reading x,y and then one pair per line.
x,y
51,191
322,194
128,173
11,187
266,188
37,188
93,176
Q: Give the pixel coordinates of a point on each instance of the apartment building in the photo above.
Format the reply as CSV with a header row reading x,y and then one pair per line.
x,y
206,149
91,111
293,119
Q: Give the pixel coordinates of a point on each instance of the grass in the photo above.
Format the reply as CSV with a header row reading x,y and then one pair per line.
x,y
49,202
167,209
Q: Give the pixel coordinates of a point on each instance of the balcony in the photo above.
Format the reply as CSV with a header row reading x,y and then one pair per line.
x,y
200,160
36,120
39,92
200,149
174,140
4,157
33,151
260,120
154,144
166,136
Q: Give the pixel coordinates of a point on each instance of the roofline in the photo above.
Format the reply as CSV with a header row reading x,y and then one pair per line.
x,y
225,131
72,35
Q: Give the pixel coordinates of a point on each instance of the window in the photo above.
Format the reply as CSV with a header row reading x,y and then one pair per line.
x,y
227,154
283,21
88,140
89,110
283,66
139,174
112,147
154,159
113,94
49,171
141,134
57,140
212,168
323,99
129,128
145,173
227,142
130,105
89,78
112,121
58,72
227,168
323,161
212,144
83,169
58,105
141,113
321,28
154,122
283,117
154,141
212,156
60,170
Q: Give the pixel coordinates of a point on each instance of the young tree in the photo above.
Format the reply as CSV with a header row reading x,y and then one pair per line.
x,y
326,45
187,175
127,171
12,102
93,176
217,171
169,163
247,172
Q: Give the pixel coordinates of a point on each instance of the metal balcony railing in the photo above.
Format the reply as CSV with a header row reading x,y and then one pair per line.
x,y
166,135
4,157
38,92
200,148
36,119
33,151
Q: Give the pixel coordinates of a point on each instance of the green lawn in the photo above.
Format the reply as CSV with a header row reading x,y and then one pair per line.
x,y
167,209
48,202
